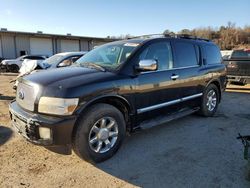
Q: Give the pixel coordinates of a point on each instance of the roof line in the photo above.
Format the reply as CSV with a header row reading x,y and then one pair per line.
x,y
39,34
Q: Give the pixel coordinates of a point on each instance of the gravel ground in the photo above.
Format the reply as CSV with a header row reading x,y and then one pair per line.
x,y
189,152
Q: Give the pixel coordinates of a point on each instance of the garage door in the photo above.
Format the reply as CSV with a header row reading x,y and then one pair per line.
x,y
1,55
41,46
70,45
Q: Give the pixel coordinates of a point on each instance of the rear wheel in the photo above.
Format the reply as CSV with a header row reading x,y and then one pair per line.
x,y
99,133
210,101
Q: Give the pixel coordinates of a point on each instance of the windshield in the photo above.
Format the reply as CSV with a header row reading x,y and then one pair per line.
x,y
240,53
54,59
109,56
21,57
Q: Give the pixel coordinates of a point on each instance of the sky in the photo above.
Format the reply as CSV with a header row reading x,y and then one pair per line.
x,y
102,18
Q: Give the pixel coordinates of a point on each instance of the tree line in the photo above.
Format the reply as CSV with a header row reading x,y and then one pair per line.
x,y
226,37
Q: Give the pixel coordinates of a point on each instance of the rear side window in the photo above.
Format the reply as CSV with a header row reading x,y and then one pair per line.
x,y
186,55
213,55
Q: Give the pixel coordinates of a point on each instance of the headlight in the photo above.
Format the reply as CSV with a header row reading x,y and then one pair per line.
x,y
3,63
57,106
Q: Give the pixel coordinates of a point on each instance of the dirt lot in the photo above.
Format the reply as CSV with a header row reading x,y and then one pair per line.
x,y
189,152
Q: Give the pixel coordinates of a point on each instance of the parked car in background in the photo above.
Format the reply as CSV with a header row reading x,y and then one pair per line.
x,y
2,67
118,87
13,65
1,59
55,61
238,67
226,53
63,59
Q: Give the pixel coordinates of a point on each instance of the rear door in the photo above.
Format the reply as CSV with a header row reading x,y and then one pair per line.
x,y
188,61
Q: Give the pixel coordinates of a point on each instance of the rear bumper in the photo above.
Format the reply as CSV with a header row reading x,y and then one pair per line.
x,y
27,124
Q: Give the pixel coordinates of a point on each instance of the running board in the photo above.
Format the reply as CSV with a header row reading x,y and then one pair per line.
x,y
167,118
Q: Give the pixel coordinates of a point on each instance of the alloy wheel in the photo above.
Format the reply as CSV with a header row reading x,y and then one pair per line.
x,y
103,135
211,100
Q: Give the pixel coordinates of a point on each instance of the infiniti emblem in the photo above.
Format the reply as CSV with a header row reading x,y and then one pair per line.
x,y
21,95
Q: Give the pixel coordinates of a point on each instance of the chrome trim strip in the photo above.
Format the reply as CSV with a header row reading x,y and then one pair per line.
x,y
154,107
195,66
191,97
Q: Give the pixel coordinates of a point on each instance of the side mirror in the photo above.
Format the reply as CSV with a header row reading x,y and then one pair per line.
x,y
147,65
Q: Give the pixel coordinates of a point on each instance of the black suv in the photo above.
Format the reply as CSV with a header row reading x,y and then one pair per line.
x,y
117,88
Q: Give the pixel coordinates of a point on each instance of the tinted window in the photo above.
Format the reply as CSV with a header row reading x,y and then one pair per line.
x,y
213,55
161,52
34,58
186,55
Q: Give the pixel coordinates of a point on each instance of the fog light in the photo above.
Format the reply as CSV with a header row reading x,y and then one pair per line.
x,y
45,133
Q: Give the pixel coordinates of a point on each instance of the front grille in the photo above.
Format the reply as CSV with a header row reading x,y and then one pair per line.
x,y
25,96
238,72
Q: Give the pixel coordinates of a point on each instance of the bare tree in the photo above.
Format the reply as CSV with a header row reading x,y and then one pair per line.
x,y
227,37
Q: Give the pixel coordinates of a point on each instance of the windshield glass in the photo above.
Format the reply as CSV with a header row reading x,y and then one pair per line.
x,y
240,53
21,57
109,56
54,58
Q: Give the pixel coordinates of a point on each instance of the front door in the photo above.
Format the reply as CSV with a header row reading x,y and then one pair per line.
x,y
157,90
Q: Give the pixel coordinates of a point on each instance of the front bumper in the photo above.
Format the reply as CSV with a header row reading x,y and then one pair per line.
x,y
27,124
234,78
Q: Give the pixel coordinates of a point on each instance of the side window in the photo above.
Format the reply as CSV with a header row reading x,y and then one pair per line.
x,y
186,55
213,55
34,58
161,52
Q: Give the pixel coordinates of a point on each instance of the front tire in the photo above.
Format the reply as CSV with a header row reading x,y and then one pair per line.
x,y
210,101
99,133
13,68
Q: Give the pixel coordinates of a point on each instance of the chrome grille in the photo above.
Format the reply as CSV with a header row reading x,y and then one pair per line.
x,y
25,96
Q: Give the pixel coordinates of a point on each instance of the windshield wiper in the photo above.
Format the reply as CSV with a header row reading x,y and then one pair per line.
x,y
93,65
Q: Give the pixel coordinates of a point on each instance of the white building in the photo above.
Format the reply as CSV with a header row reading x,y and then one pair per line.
x,y
14,44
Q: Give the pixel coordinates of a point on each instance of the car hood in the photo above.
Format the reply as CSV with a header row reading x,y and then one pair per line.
x,y
67,77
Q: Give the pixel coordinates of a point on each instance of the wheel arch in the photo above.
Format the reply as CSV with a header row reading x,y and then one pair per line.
x,y
117,101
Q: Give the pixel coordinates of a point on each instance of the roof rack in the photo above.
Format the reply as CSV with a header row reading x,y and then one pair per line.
x,y
186,36
146,36
171,35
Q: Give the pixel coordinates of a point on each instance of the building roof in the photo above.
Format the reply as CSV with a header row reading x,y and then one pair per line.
x,y
41,34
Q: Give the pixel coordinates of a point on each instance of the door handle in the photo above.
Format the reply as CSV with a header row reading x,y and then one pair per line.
x,y
174,77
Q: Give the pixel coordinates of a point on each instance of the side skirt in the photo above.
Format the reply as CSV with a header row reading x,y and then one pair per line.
x,y
165,118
